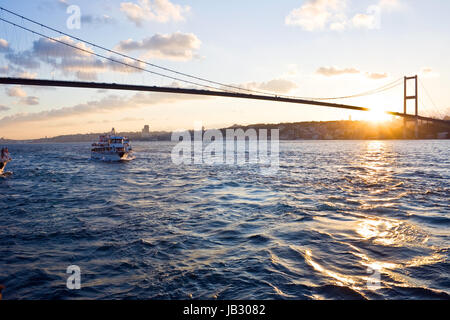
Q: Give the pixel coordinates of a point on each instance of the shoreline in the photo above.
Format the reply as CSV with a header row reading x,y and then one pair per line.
x,y
310,130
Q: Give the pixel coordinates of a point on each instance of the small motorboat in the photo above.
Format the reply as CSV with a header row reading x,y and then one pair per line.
x,y
4,159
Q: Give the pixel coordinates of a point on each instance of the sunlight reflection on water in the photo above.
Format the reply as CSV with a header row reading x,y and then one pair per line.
x,y
334,210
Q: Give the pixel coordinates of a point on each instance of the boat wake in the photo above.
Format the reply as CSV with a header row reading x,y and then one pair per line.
x,y
6,174
128,159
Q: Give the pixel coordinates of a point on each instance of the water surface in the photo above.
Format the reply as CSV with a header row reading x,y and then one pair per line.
x,y
320,228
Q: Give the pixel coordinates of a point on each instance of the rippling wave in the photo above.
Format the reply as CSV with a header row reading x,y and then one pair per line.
x,y
332,216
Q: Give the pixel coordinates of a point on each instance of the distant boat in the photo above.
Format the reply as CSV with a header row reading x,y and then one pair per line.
x,y
4,159
112,147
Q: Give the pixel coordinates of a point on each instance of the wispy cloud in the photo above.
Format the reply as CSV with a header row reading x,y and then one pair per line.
x,y
63,4
336,71
97,20
178,46
78,59
428,72
17,72
273,86
376,75
30,101
4,108
74,59
157,10
23,59
88,18
390,4
126,119
4,45
369,20
104,105
27,75
333,15
315,14
16,92
46,48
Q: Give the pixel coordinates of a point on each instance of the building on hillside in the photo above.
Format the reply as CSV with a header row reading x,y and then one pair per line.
x,y
146,131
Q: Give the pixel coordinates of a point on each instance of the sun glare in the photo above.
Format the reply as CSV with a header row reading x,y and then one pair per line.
x,y
378,116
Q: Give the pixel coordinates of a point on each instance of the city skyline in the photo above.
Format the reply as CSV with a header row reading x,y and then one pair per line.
x,y
310,48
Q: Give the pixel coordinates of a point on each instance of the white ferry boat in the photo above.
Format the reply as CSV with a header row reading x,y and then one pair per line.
x,y
4,159
112,147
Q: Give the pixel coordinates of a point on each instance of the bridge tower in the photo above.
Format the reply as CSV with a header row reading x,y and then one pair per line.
x,y
405,103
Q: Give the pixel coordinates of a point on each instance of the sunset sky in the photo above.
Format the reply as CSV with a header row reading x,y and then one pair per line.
x,y
311,48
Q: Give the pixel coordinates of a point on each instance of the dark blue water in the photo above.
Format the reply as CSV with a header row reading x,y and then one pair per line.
x,y
148,229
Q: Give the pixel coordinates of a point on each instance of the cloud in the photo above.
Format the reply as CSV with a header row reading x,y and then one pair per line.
x,y
390,4
274,86
157,10
315,14
428,72
23,59
180,46
335,71
277,85
27,75
76,59
132,119
30,101
16,92
63,4
11,70
4,45
104,105
3,108
46,48
88,18
292,70
17,72
99,20
370,20
127,119
339,25
332,15
376,76
87,69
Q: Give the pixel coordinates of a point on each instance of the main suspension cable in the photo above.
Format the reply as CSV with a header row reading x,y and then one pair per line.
x,y
370,92
132,58
111,59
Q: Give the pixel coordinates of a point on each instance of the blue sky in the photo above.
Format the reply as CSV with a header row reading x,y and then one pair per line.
x,y
310,48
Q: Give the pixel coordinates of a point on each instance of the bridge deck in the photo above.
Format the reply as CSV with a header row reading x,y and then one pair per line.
x,y
115,86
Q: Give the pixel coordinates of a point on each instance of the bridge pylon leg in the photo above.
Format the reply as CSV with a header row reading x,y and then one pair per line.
x,y
404,108
415,97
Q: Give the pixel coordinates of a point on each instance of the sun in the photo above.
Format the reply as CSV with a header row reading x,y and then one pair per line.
x,y
377,116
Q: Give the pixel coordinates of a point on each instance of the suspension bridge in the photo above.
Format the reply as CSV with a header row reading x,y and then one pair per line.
x,y
198,85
